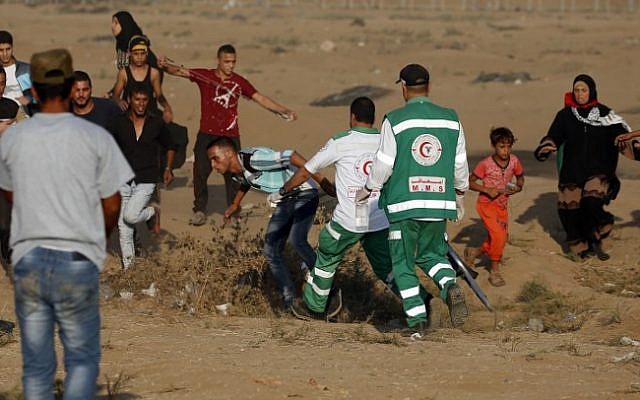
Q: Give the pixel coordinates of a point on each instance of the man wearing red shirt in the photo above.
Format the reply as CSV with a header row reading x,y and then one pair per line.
x,y
220,91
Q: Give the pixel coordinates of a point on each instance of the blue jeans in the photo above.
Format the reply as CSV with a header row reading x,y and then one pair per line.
x,y
292,218
133,209
58,287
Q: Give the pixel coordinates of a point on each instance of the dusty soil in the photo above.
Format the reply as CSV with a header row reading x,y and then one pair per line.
x,y
152,350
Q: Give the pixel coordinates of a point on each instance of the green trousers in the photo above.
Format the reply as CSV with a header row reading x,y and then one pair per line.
x,y
423,243
333,244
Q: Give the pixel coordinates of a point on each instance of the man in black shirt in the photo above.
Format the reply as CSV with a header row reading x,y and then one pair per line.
x,y
140,136
94,109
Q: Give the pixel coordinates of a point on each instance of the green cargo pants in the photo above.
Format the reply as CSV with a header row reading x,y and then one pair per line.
x,y
423,243
333,244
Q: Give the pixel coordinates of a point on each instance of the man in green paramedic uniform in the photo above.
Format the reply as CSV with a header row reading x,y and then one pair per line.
x,y
352,152
422,172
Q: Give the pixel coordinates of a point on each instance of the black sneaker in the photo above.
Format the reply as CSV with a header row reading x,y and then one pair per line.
x,y
586,254
334,303
601,254
300,310
458,311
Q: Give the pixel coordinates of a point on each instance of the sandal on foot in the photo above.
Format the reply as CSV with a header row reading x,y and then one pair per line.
x,y
496,279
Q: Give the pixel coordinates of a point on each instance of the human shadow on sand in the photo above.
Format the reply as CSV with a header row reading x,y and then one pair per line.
x,y
634,223
217,202
471,235
544,211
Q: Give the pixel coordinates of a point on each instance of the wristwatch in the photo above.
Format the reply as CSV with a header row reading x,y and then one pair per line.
x,y
282,192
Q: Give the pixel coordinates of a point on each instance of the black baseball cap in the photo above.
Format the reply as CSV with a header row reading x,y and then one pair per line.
x,y
414,75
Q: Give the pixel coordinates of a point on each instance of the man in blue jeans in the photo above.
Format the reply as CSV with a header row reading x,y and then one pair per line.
x,y
63,174
267,170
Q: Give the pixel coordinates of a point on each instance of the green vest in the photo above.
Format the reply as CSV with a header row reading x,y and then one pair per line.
x,y
421,185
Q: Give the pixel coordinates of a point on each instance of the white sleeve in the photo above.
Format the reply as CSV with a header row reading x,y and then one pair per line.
x,y
461,177
326,156
385,157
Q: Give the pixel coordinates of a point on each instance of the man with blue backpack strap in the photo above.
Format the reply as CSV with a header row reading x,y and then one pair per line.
x,y
267,170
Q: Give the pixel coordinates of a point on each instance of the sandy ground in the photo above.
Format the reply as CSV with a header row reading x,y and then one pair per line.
x,y
168,355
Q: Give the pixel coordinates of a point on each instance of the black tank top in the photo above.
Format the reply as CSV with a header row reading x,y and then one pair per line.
x,y
153,102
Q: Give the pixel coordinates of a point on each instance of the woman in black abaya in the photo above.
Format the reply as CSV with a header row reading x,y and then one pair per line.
x,y
584,135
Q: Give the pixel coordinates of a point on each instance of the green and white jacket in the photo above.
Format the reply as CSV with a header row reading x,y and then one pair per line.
x,y
420,162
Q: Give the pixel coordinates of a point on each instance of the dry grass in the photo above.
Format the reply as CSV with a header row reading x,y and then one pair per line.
x,y
196,275
615,280
559,312
116,384
362,333
13,394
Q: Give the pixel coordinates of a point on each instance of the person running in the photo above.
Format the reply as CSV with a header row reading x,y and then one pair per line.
x,y
496,173
352,152
140,71
583,133
421,168
220,91
62,174
95,109
139,135
266,170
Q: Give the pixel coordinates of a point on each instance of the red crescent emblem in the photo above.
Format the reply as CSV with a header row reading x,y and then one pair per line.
x,y
366,167
422,147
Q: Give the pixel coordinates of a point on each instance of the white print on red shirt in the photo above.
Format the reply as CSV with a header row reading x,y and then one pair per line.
x,y
227,97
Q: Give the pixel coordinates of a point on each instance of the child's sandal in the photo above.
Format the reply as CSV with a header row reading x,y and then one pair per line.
x,y
495,279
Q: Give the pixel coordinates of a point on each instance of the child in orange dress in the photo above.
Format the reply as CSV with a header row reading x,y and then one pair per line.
x,y
492,178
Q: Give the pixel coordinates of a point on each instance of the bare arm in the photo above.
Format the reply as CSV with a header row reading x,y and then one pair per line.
x,y
298,161
235,205
302,175
273,106
519,183
626,136
167,112
110,211
121,81
168,171
477,187
171,69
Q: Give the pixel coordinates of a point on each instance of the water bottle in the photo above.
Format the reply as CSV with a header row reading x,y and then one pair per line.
x,y
362,215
